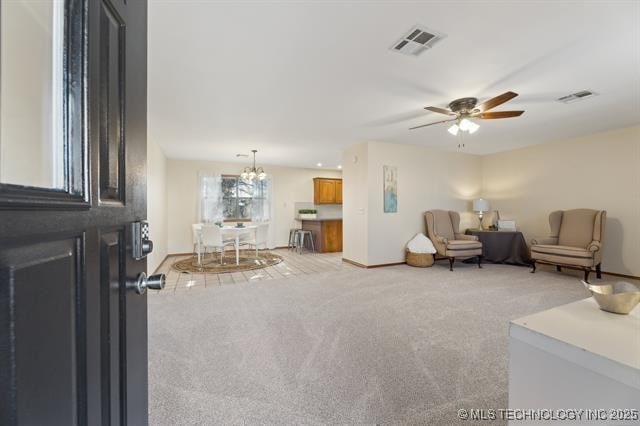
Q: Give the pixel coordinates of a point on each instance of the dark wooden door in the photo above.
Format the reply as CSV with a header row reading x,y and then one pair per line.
x,y
73,335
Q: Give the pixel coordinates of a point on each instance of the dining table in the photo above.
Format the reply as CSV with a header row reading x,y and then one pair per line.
x,y
234,232
237,231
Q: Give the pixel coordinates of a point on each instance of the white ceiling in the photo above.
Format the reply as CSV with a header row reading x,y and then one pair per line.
x,y
300,81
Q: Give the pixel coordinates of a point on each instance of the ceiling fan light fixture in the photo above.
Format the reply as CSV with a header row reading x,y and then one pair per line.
x,y
467,125
465,110
464,124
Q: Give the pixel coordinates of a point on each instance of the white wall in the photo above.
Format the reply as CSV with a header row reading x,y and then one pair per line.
x,y
600,171
290,185
355,199
428,178
157,204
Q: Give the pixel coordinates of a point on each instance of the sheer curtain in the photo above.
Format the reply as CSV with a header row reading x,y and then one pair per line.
x,y
210,202
263,208
261,203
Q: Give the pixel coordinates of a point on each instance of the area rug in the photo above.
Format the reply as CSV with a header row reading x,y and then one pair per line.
x,y
211,263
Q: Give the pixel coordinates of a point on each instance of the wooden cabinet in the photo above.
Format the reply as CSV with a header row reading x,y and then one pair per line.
x,y
331,236
339,191
327,234
324,191
327,191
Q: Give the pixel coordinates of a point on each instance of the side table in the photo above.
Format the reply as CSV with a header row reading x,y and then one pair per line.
x,y
507,247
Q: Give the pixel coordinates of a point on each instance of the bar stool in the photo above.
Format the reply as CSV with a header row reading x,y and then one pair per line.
x,y
300,236
292,237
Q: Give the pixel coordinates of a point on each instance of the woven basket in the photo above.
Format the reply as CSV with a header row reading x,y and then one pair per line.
x,y
421,260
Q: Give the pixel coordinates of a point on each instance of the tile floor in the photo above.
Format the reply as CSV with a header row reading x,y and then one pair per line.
x,y
294,264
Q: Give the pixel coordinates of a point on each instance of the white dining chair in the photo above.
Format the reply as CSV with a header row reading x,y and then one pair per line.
x,y
260,237
211,237
195,236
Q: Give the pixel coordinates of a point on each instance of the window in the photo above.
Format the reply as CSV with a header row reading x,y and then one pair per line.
x,y
243,199
31,94
233,199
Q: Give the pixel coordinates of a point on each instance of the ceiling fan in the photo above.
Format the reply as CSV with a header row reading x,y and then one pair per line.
x,y
463,109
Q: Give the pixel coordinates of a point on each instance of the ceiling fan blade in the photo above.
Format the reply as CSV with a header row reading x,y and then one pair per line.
x,y
431,124
494,102
499,114
439,110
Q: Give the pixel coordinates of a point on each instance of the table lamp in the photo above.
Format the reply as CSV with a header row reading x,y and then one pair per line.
x,y
480,206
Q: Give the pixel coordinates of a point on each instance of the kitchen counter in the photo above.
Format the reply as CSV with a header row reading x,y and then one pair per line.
x,y
327,233
320,219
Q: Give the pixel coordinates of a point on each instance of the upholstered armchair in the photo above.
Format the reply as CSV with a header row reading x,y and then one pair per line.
x,y
443,230
575,241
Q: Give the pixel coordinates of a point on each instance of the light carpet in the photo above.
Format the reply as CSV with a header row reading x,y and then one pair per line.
x,y
397,345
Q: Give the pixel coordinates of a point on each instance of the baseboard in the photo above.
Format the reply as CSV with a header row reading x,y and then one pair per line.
x,y
380,265
615,274
160,264
353,262
167,258
577,268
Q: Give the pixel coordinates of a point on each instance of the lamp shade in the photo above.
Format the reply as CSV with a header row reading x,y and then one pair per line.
x,y
480,205
465,125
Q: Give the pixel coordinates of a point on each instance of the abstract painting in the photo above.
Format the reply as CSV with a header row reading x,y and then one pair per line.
x,y
390,178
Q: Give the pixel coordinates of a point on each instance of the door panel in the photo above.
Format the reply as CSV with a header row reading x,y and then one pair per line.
x,y
73,335
112,75
112,286
42,295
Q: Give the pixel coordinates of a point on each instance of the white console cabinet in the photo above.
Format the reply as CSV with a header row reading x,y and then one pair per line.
x,y
576,357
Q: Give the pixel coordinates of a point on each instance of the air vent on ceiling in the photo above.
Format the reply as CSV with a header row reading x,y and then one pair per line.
x,y
417,40
583,94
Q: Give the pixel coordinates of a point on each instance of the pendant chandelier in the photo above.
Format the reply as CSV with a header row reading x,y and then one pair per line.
x,y
252,172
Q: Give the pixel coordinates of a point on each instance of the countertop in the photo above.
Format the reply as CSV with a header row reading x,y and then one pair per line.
x,y
320,219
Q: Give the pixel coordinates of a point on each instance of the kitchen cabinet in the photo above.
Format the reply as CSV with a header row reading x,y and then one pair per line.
x,y
327,234
339,191
327,191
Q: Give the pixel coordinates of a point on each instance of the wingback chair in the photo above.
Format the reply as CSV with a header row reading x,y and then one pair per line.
x,y
575,241
443,230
